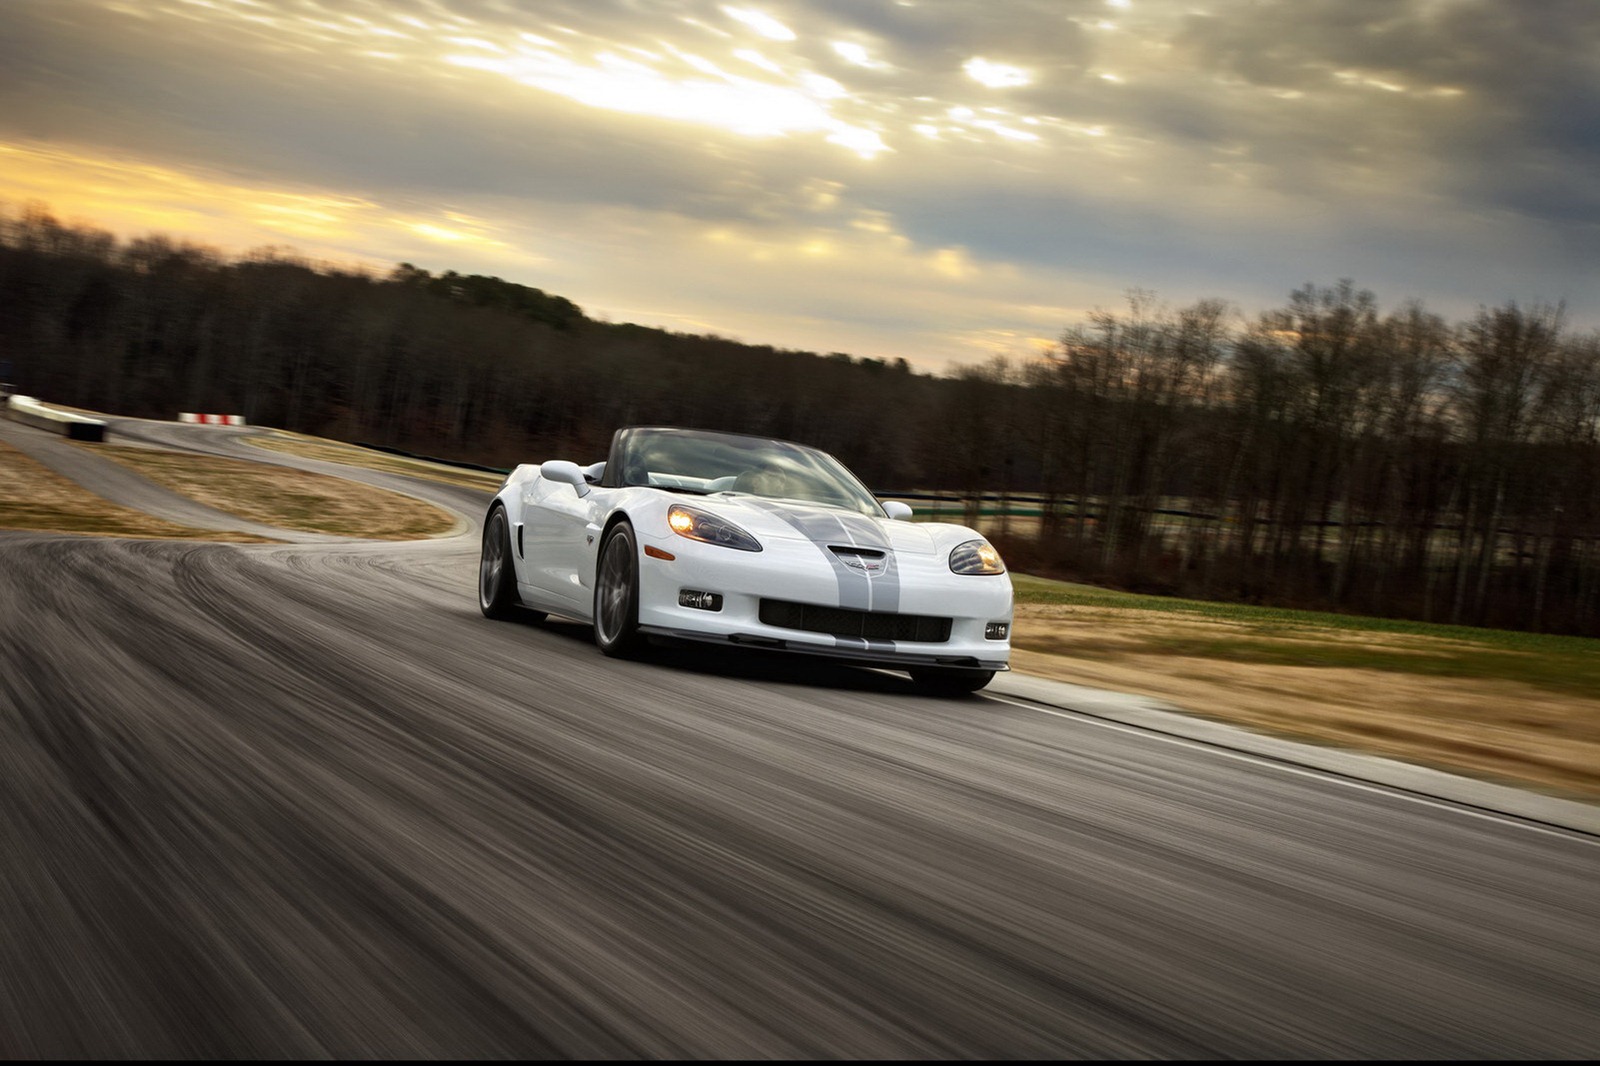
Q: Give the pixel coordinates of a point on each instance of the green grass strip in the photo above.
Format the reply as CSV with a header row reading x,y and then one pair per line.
x,y
1031,589
1283,637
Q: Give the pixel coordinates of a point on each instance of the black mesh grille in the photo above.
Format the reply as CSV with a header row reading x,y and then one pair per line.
x,y
843,622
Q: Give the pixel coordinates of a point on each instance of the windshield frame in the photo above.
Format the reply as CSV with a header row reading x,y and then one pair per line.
x,y
629,445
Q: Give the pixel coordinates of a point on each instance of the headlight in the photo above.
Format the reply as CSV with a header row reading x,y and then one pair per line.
x,y
699,525
976,557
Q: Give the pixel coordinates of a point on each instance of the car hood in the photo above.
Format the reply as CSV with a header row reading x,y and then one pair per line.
x,y
768,519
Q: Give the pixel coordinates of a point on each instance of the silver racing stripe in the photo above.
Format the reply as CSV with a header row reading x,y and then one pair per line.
x,y
822,528
863,644
885,585
857,590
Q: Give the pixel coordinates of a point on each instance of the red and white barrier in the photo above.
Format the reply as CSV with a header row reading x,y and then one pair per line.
x,y
212,420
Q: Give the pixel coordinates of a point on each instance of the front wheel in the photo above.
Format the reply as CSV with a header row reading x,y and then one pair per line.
x,y
951,682
616,594
497,582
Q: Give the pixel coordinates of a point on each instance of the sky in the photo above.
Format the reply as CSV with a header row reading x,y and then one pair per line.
x,y
936,180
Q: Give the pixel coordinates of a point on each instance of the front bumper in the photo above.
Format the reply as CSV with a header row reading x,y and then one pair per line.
x,y
797,571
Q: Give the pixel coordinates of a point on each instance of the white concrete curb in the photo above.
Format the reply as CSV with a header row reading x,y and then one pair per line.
x,y
31,412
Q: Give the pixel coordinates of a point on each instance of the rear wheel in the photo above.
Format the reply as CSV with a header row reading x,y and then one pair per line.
x,y
616,594
497,581
951,682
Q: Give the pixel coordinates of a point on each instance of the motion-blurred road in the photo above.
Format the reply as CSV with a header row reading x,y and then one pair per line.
x,y
304,800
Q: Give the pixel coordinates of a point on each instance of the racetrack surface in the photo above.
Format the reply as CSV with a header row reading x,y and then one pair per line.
x,y
304,800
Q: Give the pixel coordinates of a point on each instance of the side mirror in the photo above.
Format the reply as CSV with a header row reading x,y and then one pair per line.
x,y
896,509
565,472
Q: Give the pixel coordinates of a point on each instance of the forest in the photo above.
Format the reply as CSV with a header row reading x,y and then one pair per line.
x,y
1327,453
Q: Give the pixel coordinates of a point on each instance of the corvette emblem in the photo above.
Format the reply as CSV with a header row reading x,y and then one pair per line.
x,y
870,567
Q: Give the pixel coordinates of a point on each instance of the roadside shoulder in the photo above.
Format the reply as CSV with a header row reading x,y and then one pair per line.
x,y
1158,716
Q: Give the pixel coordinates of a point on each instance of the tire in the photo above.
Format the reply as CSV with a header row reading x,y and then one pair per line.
x,y
951,681
616,595
497,577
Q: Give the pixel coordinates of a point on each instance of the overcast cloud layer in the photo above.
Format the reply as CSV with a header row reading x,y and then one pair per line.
x,y
939,180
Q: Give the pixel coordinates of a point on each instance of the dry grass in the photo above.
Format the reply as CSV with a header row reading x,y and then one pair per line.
x,y
34,497
290,499
335,452
1525,717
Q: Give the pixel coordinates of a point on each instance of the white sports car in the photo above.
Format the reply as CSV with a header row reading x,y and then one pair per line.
x,y
748,541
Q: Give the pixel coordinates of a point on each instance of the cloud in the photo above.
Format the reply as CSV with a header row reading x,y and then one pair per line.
x,y
1505,93
1065,148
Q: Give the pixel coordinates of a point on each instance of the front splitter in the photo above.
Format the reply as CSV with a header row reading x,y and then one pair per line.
x,y
863,656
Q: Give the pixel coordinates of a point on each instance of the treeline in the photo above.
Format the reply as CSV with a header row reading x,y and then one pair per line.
x,y
461,366
1324,454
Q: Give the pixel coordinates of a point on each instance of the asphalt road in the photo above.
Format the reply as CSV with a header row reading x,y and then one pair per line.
x,y
304,800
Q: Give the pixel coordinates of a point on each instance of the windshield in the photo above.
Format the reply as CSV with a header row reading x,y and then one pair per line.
x,y
704,463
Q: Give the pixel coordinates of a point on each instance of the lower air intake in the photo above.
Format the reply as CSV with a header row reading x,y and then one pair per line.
x,y
843,622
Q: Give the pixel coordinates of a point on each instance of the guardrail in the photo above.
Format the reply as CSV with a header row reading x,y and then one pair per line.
x,y
956,501
31,412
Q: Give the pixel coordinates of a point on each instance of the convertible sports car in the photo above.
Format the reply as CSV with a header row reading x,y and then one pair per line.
x,y
747,541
